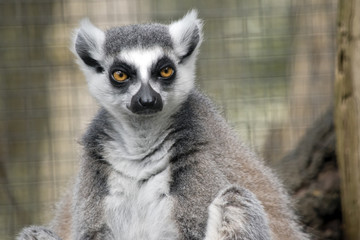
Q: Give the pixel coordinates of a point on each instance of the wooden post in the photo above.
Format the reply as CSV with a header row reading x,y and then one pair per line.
x,y
347,113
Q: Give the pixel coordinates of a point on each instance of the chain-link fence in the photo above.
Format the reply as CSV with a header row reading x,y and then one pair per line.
x,y
267,63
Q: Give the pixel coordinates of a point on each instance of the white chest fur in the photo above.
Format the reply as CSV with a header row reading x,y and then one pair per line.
x,y
140,212
139,205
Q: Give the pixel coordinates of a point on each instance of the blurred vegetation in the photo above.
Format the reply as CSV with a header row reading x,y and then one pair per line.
x,y
24,116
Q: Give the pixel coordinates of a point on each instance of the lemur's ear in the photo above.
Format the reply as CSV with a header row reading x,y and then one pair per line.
x,y
88,45
186,34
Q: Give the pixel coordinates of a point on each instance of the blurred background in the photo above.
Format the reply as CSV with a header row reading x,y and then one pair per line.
x,y
268,64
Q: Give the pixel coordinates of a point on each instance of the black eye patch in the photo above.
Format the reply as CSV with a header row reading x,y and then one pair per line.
x,y
125,68
162,63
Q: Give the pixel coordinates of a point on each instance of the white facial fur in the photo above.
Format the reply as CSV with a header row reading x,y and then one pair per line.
x,y
143,59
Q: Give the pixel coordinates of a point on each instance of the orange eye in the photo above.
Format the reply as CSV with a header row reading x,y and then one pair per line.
x,y
166,72
119,76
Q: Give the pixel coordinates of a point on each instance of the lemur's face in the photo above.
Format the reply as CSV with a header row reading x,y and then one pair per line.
x,y
145,77
140,69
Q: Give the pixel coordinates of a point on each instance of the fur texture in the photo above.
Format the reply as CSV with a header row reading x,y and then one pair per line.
x,y
177,172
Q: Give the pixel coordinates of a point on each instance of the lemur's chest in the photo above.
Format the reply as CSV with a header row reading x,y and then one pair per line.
x,y
139,205
140,210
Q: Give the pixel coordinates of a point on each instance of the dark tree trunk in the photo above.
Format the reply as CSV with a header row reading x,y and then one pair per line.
x,y
347,113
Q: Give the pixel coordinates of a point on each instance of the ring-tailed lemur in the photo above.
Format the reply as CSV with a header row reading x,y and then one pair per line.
x,y
159,160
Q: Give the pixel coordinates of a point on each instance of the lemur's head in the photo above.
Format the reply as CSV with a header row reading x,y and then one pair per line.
x,y
140,69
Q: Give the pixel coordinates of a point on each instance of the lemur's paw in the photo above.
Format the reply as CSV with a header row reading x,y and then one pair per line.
x,y
37,233
235,214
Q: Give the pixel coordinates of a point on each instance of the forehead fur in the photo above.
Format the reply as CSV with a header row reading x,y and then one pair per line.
x,y
141,35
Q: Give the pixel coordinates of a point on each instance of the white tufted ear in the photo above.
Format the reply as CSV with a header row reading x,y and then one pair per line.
x,y
88,45
186,34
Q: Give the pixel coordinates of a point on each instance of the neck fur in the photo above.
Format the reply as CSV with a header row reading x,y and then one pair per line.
x,y
139,135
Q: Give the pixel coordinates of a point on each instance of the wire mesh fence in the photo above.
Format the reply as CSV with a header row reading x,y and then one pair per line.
x,y
267,63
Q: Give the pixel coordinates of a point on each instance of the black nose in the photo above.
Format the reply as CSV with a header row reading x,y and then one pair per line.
x,y
146,101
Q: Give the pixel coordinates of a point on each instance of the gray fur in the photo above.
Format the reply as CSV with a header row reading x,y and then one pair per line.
x,y
180,173
209,158
140,35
